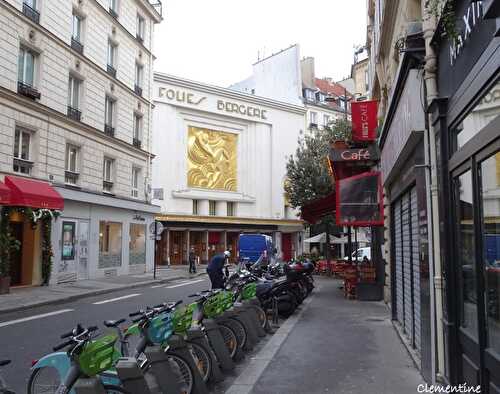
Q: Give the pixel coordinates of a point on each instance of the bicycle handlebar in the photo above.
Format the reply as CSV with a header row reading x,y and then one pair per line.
x,y
136,313
63,345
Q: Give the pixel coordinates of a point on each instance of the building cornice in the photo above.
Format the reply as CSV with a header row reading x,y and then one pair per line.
x,y
227,93
20,103
66,46
152,10
228,220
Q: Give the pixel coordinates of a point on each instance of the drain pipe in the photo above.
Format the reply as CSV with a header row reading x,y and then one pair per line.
x,y
429,27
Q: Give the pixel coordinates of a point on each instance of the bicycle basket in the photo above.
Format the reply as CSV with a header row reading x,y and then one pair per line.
x,y
98,355
161,328
183,318
249,291
214,306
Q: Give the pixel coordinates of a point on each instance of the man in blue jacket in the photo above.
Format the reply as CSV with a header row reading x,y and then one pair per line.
x,y
215,269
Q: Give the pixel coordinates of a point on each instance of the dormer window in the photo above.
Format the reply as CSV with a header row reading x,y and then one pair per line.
x,y
310,95
320,97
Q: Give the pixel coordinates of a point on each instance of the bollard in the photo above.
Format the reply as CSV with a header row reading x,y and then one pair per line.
x,y
178,347
131,376
217,344
88,386
253,311
167,379
196,335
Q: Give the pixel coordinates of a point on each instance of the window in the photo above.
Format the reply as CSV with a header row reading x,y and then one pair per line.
x,y
230,208
342,103
137,246
135,182
71,175
107,175
326,120
77,27
68,240
321,97
195,207
29,10
22,151
74,93
112,58
109,116
314,117
26,67
138,78
310,95
110,244
140,27
367,81
212,208
137,137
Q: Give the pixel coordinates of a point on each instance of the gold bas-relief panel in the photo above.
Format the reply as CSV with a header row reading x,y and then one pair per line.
x,y
212,159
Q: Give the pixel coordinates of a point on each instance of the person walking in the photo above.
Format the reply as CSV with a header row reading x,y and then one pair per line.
x,y
215,269
192,261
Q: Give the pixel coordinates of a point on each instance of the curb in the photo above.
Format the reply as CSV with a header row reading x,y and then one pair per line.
x,y
247,379
92,293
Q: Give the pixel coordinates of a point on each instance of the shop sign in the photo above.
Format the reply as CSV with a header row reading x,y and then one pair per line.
x,y
180,96
241,109
139,218
364,120
471,18
357,155
158,226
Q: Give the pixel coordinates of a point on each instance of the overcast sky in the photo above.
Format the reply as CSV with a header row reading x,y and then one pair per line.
x,y
216,41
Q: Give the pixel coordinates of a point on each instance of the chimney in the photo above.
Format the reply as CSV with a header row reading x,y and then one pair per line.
x,y
308,74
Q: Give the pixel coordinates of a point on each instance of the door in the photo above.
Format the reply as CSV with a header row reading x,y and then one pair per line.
x,y
196,242
176,247
16,255
83,250
286,246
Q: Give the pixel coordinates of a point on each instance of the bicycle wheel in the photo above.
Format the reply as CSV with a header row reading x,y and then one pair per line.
x,y
202,360
45,380
229,339
240,331
261,315
185,373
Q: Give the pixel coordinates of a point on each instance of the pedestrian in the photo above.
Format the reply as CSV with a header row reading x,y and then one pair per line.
x,y
192,261
215,269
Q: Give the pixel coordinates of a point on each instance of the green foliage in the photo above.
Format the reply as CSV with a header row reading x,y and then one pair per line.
x,y
8,243
444,12
307,171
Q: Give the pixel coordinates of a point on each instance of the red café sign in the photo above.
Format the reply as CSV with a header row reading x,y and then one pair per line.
x,y
364,120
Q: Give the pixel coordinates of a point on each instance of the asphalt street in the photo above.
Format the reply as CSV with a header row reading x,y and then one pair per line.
x,y
28,335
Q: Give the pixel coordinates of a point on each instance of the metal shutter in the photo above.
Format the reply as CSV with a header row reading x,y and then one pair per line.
x,y
407,269
416,266
398,263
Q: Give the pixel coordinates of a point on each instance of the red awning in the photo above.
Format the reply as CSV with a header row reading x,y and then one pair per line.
x,y
316,209
4,194
35,194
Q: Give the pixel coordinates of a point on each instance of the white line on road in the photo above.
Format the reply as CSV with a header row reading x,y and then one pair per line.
x,y
9,323
184,284
157,286
116,299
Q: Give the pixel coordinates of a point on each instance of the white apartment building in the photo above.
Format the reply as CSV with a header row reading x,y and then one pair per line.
x,y
75,111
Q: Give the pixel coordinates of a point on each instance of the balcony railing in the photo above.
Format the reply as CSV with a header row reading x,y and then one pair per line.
x,y
71,178
137,142
77,45
22,166
138,89
109,130
28,91
111,71
75,114
113,13
107,186
31,13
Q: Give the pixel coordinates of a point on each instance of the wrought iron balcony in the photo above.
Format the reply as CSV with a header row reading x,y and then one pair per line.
x,y
109,130
28,91
111,71
71,178
113,13
22,166
77,45
107,186
75,114
31,13
138,89
137,142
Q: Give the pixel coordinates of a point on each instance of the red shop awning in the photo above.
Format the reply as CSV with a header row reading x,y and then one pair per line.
x,y
4,194
34,194
316,209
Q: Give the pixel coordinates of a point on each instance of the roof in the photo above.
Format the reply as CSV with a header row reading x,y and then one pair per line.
x,y
332,88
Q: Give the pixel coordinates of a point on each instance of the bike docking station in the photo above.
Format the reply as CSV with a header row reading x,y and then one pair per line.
x,y
196,335
178,345
89,386
131,376
216,341
163,370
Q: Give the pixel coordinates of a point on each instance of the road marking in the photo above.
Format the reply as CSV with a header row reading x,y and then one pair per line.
x,y
155,287
116,299
184,284
9,323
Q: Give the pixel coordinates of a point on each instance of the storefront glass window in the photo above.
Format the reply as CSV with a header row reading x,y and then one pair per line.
x,y
68,241
466,251
480,116
110,244
137,253
490,182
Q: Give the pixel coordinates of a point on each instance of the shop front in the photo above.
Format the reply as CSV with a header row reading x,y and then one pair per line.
x,y
467,126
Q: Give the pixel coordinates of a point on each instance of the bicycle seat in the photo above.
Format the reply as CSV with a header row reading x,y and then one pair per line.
x,y
114,323
3,363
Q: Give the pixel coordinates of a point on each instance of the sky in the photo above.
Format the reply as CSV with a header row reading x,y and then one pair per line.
x,y
217,41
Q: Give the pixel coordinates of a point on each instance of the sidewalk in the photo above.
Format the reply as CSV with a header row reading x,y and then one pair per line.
x,y
333,345
29,297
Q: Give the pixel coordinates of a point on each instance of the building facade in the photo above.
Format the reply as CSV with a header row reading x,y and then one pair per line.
x,y
220,169
76,112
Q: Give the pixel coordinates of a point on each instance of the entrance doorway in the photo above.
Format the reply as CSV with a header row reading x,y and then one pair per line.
x,y
232,246
16,255
196,242
178,253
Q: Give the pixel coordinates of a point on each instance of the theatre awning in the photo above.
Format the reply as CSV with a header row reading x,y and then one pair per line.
x,y
35,194
316,209
4,194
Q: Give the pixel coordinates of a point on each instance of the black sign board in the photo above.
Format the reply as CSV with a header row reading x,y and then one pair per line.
x,y
371,153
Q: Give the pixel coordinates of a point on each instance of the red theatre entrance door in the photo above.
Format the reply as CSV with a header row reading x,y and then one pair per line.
x,y
286,246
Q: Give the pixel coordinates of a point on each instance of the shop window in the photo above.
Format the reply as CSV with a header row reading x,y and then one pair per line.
x,y
195,207
466,251
481,115
137,246
110,244
490,194
212,208
22,151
